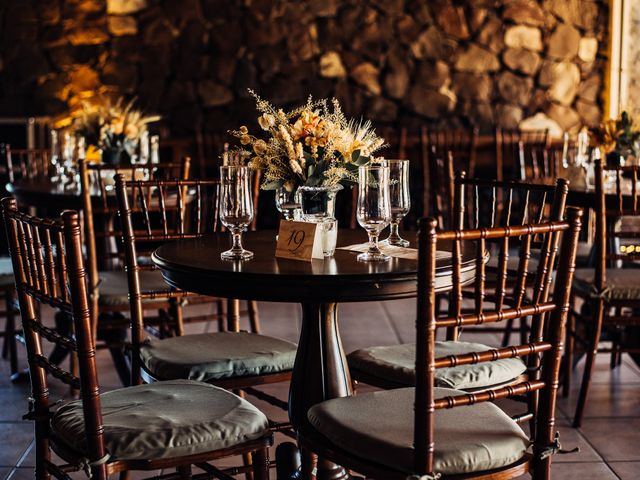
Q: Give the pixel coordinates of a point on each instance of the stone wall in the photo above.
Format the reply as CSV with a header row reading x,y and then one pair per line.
x,y
450,62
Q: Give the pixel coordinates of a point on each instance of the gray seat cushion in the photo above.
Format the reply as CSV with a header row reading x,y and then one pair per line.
x,y
6,272
622,283
396,363
164,419
213,356
467,439
114,287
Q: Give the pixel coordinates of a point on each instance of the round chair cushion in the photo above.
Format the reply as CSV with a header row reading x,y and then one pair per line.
x,y
396,364
164,419
214,356
467,439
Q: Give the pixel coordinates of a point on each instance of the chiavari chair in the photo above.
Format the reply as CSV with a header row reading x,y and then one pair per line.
x,y
232,359
28,164
107,279
431,432
611,290
443,151
392,366
165,425
9,171
512,146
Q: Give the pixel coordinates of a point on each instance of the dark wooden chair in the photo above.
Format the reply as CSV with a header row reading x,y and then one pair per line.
x,y
428,431
125,429
611,290
512,149
231,359
108,291
21,164
443,152
391,366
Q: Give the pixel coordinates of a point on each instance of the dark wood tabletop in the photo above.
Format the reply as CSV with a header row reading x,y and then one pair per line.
x,y
195,265
44,192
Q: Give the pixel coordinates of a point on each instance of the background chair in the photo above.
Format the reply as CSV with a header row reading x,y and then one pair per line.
x,y
233,359
392,366
427,431
512,146
611,290
98,433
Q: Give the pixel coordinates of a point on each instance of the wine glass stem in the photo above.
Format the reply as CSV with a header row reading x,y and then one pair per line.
x,y
236,236
373,243
393,231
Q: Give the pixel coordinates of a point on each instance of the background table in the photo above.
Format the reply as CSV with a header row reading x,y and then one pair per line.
x,y
320,371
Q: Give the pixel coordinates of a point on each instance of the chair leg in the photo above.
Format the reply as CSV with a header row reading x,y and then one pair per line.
x,y
590,363
221,315
10,335
124,475
254,316
184,472
568,355
247,460
261,464
176,313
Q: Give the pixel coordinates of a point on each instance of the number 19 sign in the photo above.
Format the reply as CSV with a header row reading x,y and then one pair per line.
x,y
299,241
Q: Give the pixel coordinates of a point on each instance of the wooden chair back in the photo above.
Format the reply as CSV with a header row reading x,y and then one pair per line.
x,y
49,270
549,346
514,147
146,203
28,164
442,152
617,219
100,210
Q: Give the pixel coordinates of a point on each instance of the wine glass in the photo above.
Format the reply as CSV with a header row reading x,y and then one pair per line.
x,y
374,207
286,203
399,198
236,208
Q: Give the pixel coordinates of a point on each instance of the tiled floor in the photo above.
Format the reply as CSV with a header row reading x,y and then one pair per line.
x,y
609,441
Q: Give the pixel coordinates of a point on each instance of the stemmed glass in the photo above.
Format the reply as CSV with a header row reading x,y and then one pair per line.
x,y
236,208
286,203
374,207
399,198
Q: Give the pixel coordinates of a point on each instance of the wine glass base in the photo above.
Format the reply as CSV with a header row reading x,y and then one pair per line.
x,y
396,242
372,257
236,255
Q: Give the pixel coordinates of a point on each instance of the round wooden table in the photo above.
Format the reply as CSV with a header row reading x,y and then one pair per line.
x,y
41,192
320,371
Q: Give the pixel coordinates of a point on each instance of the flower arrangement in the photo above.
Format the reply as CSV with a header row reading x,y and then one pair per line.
x,y
108,126
621,135
313,145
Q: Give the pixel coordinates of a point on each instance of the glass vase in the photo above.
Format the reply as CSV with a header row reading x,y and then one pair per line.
x,y
317,203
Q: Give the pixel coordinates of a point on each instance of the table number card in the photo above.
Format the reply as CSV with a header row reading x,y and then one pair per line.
x,y
299,241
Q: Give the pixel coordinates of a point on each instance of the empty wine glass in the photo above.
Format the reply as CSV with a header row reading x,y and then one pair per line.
x,y
374,207
399,198
236,208
286,203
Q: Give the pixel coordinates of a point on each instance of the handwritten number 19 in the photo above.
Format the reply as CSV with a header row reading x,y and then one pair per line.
x,y
296,239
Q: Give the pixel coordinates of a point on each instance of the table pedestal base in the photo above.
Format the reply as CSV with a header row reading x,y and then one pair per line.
x,y
320,373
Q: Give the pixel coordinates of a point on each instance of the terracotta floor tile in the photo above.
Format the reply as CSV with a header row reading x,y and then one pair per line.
x,y
615,439
16,437
626,470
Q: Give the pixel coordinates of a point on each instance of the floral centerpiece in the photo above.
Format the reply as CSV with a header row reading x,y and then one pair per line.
x,y
617,137
111,131
313,146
